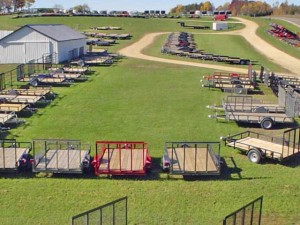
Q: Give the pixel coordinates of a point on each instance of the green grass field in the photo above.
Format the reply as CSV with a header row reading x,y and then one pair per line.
x,y
155,103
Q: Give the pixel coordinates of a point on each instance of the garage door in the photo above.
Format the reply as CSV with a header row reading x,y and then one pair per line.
x,y
34,50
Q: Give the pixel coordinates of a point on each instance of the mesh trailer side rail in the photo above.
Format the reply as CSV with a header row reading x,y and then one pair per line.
x,y
85,217
47,155
248,214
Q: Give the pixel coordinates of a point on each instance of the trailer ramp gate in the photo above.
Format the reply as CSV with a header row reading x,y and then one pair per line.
x,y
193,158
249,214
113,213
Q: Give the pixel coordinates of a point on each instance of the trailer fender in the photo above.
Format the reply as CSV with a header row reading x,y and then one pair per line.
x,y
254,155
266,123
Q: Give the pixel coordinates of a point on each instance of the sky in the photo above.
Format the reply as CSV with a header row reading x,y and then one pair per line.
x,y
132,5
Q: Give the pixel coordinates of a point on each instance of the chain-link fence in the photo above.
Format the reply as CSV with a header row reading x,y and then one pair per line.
x,y
113,213
249,214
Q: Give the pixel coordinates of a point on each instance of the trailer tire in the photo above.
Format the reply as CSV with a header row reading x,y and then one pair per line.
x,y
242,62
238,89
266,123
254,156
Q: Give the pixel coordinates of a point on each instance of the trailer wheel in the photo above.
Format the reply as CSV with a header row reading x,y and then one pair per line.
x,y
254,156
266,123
238,89
242,62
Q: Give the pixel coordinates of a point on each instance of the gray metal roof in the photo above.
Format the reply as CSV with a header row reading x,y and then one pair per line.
x,y
57,32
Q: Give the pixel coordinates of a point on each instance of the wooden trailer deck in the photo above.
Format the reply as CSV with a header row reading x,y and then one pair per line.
x,y
9,157
4,117
122,160
21,98
12,107
35,92
66,75
272,149
188,160
61,161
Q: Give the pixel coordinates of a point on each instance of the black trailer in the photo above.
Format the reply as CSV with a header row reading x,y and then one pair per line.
x,y
192,158
60,156
258,146
182,24
14,156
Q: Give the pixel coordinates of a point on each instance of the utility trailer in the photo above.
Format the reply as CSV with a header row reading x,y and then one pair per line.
x,y
61,156
230,82
121,158
192,158
238,61
14,156
259,146
182,24
260,115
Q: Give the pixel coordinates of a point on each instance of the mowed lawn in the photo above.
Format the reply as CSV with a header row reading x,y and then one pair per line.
x,y
155,103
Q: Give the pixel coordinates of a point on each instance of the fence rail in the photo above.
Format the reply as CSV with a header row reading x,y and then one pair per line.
x,y
249,214
112,213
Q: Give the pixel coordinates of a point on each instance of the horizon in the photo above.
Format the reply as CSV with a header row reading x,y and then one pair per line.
x,y
133,5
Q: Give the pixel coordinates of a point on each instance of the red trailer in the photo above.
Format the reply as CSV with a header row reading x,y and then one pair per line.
x,y
221,17
121,158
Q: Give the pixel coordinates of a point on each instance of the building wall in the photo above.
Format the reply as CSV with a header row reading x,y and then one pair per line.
x,y
65,48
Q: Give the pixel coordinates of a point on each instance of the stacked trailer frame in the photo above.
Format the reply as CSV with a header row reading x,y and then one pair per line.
x,y
122,158
14,156
247,104
192,158
259,146
230,82
61,156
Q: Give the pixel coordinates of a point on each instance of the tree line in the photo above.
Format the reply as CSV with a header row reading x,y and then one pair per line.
x,y
242,7
14,5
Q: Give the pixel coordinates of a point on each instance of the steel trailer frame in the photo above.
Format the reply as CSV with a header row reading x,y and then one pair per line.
x,y
112,158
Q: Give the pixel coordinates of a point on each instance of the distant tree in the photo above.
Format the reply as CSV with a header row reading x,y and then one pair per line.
x,y
223,7
6,5
207,6
82,8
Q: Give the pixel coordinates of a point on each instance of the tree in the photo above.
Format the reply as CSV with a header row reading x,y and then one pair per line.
x,y
82,8
207,6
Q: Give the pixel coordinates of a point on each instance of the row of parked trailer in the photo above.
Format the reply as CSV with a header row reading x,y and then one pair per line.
x,y
133,158
182,44
37,92
284,34
247,109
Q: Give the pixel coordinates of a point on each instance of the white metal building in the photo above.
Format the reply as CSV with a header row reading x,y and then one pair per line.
x,y
38,40
220,26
